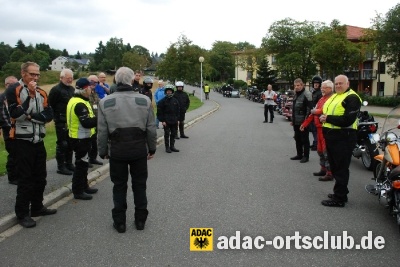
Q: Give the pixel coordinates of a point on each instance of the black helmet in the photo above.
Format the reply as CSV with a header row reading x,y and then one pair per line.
x,y
169,87
316,79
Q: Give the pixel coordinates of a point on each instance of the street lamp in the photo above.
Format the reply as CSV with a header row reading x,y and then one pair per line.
x,y
201,59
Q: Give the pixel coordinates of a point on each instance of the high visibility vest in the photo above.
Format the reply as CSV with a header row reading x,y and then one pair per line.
x,y
333,106
75,128
207,89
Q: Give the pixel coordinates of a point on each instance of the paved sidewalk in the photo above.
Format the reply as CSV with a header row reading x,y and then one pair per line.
x,y
59,186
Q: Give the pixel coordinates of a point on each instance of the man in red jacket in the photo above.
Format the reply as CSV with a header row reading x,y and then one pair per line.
x,y
325,172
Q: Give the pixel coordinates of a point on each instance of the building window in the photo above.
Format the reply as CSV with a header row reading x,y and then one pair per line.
x,y
381,67
273,60
398,89
381,88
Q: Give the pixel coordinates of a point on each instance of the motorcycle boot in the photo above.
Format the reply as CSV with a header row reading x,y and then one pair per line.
x,y
140,218
172,146
60,158
166,142
182,130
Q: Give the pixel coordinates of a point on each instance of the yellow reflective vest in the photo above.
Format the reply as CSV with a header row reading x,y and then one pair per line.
x,y
206,89
333,106
75,128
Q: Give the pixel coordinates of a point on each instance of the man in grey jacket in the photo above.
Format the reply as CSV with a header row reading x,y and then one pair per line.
x,y
126,135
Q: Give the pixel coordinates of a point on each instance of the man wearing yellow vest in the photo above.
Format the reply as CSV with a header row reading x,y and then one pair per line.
x,y
81,127
339,120
207,91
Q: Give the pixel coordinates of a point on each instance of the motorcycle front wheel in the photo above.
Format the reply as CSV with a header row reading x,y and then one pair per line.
x,y
367,156
397,207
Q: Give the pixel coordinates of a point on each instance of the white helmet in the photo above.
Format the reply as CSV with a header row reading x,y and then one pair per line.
x,y
179,83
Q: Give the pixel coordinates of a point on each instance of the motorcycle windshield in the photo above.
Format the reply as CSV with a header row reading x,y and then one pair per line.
x,y
392,121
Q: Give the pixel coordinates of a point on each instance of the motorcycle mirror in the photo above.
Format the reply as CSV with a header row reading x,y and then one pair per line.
x,y
365,103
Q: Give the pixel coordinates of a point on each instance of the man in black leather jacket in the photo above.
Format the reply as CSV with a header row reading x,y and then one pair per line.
x,y
58,99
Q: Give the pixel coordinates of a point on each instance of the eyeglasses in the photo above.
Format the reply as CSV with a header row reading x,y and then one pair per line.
x,y
102,77
93,82
341,83
34,74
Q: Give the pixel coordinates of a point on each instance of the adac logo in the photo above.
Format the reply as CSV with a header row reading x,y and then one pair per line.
x,y
201,239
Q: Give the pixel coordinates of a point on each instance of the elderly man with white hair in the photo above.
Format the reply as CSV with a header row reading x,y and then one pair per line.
x,y
126,135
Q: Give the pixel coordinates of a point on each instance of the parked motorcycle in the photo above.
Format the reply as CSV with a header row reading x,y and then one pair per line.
x,y
364,148
387,171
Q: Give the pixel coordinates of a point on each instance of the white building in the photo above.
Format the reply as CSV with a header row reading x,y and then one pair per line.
x,y
59,63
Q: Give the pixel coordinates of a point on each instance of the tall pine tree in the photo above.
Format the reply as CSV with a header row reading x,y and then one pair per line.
x,y
265,75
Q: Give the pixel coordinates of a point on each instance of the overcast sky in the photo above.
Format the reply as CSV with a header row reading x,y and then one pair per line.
x,y
79,25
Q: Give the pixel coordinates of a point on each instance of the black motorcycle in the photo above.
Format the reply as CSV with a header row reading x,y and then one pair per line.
x,y
364,148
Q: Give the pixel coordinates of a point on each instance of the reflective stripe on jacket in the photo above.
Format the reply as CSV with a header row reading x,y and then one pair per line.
x,y
333,106
76,130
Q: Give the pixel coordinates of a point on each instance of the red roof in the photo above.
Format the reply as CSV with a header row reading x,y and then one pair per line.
x,y
354,33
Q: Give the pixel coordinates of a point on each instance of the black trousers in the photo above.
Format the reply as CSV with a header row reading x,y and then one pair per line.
x,y
119,171
93,149
302,141
30,160
11,163
268,109
170,132
339,157
79,178
64,149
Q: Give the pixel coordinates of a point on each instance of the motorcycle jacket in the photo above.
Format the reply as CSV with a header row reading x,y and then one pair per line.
x,y
183,100
318,111
126,127
302,104
168,110
28,114
58,99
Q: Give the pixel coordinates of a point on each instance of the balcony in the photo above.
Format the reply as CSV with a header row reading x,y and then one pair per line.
x,y
366,74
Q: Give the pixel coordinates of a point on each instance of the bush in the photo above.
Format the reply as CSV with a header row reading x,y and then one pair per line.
x,y
381,101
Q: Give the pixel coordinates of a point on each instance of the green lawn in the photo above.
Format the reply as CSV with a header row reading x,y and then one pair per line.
x,y
50,139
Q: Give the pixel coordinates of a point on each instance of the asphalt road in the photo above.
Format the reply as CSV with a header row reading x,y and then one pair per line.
x,y
232,174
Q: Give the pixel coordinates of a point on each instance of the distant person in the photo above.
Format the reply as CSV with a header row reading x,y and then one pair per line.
x,y
184,103
207,91
168,113
158,95
58,99
94,102
269,104
102,88
5,123
113,86
136,82
29,112
146,88
127,137
81,125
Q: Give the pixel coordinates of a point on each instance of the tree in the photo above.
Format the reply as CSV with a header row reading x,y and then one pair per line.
x,y
99,55
334,52
64,53
20,45
17,55
390,36
78,55
290,42
113,52
265,75
222,60
5,52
